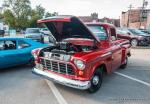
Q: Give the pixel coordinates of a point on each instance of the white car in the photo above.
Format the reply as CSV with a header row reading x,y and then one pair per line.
x,y
45,31
34,34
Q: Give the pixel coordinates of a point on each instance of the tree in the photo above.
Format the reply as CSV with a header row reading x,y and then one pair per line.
x,y
94,15
40,11
20,10
51,14
9,18
19,15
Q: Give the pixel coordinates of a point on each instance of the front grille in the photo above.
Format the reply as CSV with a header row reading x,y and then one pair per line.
x,y
62,68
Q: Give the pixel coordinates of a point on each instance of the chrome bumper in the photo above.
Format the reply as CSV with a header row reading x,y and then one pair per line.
x,y
82,85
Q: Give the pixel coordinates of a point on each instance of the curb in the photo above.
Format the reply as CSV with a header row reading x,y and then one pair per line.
x,y
148,47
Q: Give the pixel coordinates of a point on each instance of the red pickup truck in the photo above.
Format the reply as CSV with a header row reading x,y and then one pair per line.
x,y
81,53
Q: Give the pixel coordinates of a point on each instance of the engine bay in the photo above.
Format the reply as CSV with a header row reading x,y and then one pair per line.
x,y
64,50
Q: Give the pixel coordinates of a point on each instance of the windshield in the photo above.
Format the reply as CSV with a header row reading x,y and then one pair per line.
x,y
121,32
32,31
99,32
135,31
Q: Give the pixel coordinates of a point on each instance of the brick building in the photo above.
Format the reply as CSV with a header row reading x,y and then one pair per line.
x,y
133,17
115,22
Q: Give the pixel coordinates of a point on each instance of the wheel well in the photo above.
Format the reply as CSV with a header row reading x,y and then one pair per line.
x,y
133,39
104,68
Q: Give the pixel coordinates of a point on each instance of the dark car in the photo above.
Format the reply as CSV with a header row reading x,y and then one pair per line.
x,y
34,34
122,34
144,38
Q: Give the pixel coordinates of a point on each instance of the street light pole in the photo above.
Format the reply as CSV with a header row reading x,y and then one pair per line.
x,y
145,3
129,12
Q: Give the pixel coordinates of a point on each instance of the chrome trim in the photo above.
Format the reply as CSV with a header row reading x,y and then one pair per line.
x,y
59,68
106,54
82,85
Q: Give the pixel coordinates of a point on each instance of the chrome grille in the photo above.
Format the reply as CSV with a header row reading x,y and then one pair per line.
x,y
59,67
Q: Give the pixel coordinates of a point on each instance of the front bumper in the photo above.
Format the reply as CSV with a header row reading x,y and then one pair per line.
x,y
142,42
82,85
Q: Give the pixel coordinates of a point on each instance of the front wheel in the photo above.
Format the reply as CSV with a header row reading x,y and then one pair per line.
x,y
96,80
134,42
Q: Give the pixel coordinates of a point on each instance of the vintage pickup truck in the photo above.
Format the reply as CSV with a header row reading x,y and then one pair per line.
x,y
81,53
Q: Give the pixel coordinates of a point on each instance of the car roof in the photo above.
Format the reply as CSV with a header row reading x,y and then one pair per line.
x,y
9,38
32,28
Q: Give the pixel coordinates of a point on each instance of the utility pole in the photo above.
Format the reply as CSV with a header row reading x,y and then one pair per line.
x,y
129,12
145,3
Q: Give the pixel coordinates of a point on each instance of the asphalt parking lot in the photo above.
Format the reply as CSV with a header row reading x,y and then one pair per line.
x,y
129,86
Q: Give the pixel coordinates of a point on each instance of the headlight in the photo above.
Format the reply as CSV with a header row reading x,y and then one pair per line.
x,y
80,64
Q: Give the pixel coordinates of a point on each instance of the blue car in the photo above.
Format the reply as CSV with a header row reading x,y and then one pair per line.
x,y
17,51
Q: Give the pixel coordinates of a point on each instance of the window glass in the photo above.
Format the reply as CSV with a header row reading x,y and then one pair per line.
x,y
122,32
99,32
113,34
23,44
9,45
135,31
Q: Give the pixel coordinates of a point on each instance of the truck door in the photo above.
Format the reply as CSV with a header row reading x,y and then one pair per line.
x,y
116,50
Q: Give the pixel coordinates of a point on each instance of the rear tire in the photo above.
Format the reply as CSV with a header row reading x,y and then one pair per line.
x,y
96,80
123,66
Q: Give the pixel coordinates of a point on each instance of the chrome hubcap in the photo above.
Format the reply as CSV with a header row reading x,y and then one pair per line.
x,y
134,42
95,80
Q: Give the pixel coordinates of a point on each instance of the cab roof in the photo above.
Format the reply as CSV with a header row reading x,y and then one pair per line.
x,y
100,23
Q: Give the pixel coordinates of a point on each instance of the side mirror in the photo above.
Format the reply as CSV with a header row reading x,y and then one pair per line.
x,y
129,33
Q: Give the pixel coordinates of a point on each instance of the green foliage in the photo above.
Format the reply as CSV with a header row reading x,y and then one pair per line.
x,y
20,15
9,18
51,14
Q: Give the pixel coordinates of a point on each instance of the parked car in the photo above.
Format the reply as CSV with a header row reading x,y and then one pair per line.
x,y
145,31
81,54
34,34
17,51
134,40
2,32
45,31
144,39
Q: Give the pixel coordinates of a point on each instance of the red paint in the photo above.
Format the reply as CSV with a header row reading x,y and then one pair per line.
x,y
129,37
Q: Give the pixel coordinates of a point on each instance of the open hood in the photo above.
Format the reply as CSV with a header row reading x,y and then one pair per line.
x,y
63,27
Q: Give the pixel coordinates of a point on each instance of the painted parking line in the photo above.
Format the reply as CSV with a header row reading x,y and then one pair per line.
x,y
134,79
57,94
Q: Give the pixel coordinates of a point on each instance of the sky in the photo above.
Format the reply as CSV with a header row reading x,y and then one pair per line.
x,y
105,8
